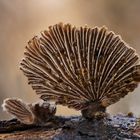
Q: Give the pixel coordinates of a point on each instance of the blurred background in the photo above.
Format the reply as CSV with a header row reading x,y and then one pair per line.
x,y
21,20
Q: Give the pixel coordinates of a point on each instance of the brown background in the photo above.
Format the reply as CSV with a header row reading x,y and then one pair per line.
x,y
20,20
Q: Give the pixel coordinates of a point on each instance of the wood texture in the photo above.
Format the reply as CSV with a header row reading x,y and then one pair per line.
x,y
74,128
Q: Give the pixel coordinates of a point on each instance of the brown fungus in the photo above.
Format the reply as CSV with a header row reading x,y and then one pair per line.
x,y
84,68
37,113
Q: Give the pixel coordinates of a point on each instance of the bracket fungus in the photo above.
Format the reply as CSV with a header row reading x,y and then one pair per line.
x,y
83,68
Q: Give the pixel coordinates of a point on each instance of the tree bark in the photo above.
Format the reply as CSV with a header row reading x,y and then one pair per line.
x,y
117,127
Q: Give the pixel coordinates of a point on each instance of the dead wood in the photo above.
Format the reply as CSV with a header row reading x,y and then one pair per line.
x,y
117,127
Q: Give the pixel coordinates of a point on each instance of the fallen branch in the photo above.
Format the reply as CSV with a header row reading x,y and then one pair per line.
x,y
73,128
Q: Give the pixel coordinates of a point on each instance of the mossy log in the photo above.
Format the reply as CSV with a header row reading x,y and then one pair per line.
x,y
119,127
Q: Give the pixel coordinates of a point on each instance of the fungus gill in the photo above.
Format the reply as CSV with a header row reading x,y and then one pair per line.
x,y
83,68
